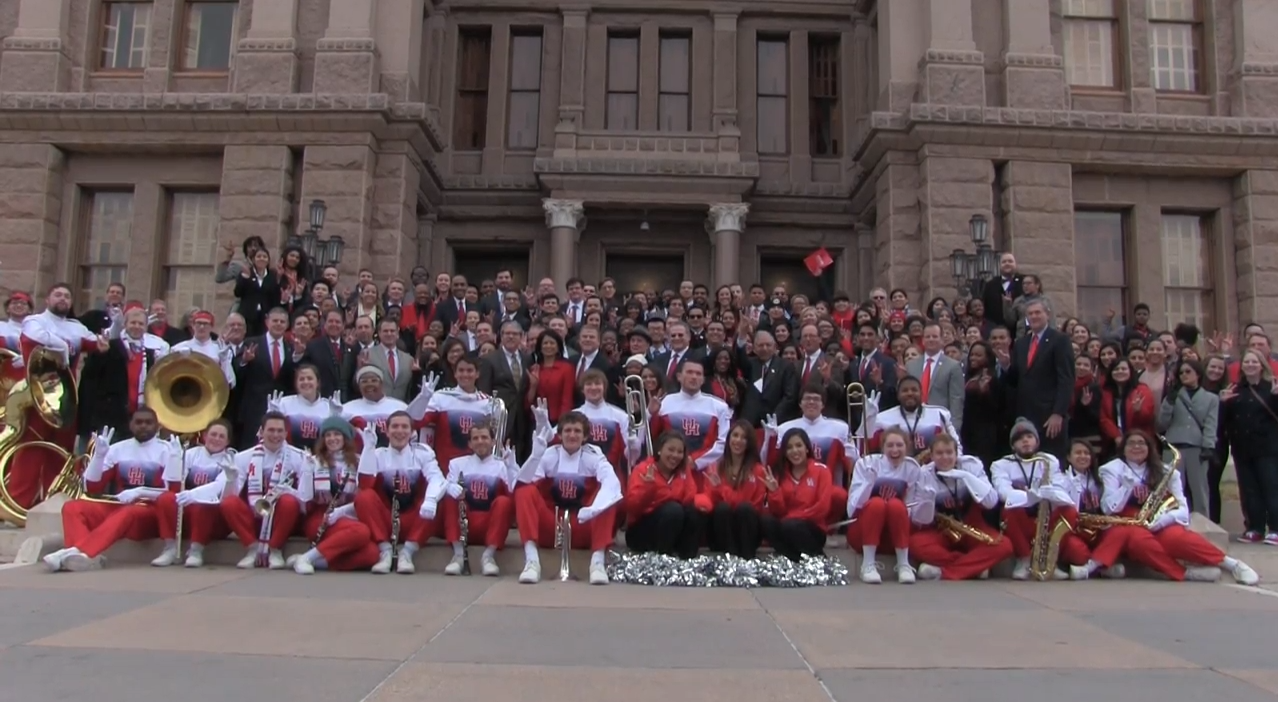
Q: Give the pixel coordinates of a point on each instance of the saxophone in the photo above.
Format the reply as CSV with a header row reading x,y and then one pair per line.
x,y
1045,550
956,529
1159,502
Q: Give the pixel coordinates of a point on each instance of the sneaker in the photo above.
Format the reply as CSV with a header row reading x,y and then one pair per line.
x,y
194,558
598,574
927,571
302,566
275,559
905,573
1244,575
404,564
78,562
1251,537
531,574
985,575
1078,572
249,560
1060,575
53,561
870,573
1022,569
1118,571
488,565
1202,574
1271,538
166,558
383,564
454,566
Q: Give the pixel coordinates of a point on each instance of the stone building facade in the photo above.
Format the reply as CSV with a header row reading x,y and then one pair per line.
x,y
1126,150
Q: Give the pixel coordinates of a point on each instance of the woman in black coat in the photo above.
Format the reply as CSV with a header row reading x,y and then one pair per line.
x,y
258,292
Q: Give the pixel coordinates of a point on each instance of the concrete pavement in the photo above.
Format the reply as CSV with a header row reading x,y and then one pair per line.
x,y
135,633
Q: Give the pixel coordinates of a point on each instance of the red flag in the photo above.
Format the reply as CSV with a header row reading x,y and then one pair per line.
x,y
818,261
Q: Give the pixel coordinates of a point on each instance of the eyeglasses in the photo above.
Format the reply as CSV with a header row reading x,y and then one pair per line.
x,y
1186,372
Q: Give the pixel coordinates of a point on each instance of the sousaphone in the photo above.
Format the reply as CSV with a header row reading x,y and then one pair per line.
x,y
187,391
49,389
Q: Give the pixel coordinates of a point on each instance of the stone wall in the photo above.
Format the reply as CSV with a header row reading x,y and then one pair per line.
x,y
951,191
257,185
394,221
343,177
1256,246
898,245
1038,200
31,190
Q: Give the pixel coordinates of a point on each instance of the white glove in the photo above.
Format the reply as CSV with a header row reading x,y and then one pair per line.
x,y
104,437
541,413
186,498
335,403
428,510
273,402
770,424
1127,480
429,383
131,495
1162,522
872,402
332,517
369,434
954,473
454,491
585,514
184,351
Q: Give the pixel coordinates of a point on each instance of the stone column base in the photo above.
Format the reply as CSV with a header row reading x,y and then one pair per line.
x,y
952,78
267,66
1254,91
1034,81
34,65
346,66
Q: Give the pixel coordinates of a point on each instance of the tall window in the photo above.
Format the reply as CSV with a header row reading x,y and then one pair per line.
x,y
1175,38
622,111
470,118
192,238
772,95
673,103
210,35
124,35
825,119
106,250
1101,265
525,90
1089,30
1187,271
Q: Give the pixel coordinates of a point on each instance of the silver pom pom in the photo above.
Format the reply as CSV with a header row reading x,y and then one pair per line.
x,y
721,570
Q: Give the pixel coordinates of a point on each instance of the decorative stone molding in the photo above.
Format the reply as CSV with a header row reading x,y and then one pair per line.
x,y
347,45
267,44
637,166
563,213
728,216
1254,69
31,44
1032,61
971,58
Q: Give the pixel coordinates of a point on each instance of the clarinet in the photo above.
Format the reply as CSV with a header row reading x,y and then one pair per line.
x,y
463,518
332,505
394,536
177,539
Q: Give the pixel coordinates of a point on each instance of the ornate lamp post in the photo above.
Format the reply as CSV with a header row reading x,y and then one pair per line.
x,y
972,270
320,253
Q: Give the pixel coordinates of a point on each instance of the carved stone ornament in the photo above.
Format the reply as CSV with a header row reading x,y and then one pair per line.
x,y
563,213
727,217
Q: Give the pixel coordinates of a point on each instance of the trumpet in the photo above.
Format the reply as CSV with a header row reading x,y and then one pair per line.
x,y
636,407
563,542
264,506
500,418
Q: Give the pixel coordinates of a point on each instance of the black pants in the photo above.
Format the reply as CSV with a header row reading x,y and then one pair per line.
x,y
793,538
1214,475
734,530
1258,489
672,529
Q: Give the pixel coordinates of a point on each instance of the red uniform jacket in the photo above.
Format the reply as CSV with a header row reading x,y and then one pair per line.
x,y
643,497
751,491
557,384
808,498
1139,412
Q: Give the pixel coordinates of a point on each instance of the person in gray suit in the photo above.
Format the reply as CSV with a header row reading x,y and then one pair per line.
x,y
943,384
1188,419
395,364
503,375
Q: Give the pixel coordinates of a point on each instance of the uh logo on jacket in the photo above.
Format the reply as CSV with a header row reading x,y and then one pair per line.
x,y
459,424
303,431
200,475
889,488
134,474
569,491
481,490
952,498
697,429
827,449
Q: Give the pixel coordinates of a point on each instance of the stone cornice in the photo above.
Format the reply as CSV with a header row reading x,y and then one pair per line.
x,y
653,166
969,58
1013,60
31,44
268,44
361,45
1259,69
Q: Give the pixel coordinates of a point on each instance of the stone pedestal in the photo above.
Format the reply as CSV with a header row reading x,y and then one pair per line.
x,y
1039,201
951,71
34,58
564,218
346,58
266,59
1033,73
725,224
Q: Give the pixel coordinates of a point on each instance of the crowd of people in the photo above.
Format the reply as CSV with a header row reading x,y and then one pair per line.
x,y
411,398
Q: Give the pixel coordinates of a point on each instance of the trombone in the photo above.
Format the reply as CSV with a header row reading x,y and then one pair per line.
x,y
856,407
637,408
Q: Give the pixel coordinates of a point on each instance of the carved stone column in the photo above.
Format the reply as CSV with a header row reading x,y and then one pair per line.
x,y
725,224
346,58
35,58
266,59
565,219
952,71
1033,73
1254,77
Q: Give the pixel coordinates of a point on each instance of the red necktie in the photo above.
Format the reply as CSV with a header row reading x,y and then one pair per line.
x,y
674,364
581,366
390,363
807,369
276,361
337,351
927,379
1033,349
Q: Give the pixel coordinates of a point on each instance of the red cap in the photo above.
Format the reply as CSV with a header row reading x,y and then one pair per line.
x,y
202,316
18,295
130,306
703,503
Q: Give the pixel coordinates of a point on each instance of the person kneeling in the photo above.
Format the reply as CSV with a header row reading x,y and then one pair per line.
x,y
889,491
572,476
661,516
799,503
129,475
485,482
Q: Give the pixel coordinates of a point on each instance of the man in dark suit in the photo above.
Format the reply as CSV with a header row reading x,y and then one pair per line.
x,y
1000,292
503,375
265,365
328,353
772,385
679,336
872,368
111,382
1041,369
590,358
453,310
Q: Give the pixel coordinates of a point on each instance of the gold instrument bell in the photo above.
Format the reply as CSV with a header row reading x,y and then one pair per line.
x,y
187,391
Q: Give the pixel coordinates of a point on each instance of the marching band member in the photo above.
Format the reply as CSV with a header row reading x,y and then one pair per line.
x,y
407,473
798,501
733,495
963,493
703,419
202,342
201,512
340,541
1017,478
306,410
55,330
270,467
17,307
1105,546
661,515
373,408
609,424
920,422
451,412
131,472
830,444
889,491
572,475
1128,482
489,483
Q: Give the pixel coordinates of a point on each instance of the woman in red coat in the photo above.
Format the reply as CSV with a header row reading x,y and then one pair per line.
x,y
1126,405
551,377
660,516
733,493
798,497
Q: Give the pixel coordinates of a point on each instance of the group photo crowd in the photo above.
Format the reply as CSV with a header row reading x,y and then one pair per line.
x,y
372,417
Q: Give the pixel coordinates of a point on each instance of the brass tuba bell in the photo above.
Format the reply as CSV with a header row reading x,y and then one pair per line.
x,y
187,391
48,389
